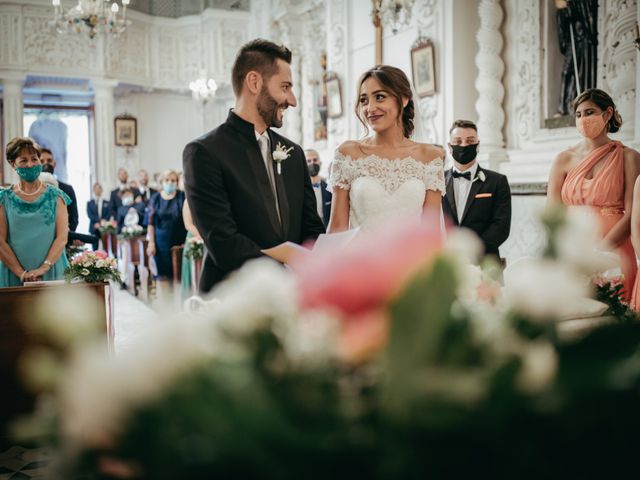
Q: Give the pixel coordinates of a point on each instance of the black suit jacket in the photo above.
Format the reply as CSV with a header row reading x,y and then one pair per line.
x,y
72,208
232,202
95,216
326,197
147,194
487,211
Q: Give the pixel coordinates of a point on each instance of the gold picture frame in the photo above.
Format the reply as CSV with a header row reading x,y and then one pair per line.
x,y
126,131
423,67
334,95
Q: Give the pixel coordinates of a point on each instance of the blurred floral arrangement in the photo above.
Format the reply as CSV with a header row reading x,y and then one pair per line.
x,y
392,358
108,226
72,250
131,231
92,267
194,248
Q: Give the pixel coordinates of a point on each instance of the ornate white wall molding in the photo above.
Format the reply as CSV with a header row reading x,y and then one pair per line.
x,y
489,80
431,109
617,58
12,115
337,54
154,52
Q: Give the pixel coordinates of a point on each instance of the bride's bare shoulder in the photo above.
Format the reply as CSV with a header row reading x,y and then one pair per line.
x,y
351,148
427,153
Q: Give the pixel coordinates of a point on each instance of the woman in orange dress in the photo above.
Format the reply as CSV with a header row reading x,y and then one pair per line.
x,y
600,173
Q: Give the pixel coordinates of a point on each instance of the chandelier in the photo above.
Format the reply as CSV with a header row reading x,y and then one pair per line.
x,y
203,89
91,16
392,13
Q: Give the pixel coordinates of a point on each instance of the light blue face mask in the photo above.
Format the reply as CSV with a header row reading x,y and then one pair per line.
x,y
29,174
169,188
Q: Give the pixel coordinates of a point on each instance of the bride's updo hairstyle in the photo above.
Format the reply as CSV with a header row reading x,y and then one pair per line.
x,y
603,100
397,84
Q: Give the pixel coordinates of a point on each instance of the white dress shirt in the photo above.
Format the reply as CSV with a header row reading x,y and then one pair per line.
x,y
461,187
317,189
263,141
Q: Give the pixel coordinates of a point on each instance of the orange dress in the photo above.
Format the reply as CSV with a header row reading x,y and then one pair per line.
x,y
604,193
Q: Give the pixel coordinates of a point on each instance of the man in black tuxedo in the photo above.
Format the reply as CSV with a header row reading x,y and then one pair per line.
x,y
49,165
97,209
323,195
143,186
243,202
115,199
476,198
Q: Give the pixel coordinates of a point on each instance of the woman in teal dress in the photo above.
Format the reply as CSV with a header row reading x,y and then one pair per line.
x,y
33,221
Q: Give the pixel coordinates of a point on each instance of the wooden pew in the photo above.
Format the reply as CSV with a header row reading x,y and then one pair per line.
x,y
16,308
110,244
176,261
132,257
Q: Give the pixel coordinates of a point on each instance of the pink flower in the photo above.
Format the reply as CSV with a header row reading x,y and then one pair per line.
x,y
101,254
370,270
359,281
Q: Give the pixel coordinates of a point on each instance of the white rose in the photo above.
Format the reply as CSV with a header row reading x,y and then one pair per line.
x,y
84,272
542,288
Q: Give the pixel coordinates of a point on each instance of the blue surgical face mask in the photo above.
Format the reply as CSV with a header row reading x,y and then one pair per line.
x,y
169,188
29,174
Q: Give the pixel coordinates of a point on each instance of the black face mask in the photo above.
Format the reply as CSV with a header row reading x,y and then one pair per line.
x,y
464,155
47,167
314,169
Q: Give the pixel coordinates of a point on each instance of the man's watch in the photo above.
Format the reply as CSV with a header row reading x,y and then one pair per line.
x,y
47,263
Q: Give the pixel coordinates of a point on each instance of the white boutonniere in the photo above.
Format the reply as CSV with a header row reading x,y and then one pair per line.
x,y
481,176
280,154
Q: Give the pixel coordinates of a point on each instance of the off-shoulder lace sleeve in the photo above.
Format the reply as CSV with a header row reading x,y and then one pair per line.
x,y
434,176
343,171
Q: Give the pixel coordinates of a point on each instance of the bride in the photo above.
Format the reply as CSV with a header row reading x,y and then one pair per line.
x,y
385,175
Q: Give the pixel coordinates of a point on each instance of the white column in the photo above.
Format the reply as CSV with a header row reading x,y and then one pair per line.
x,y
620,54
489,83
11,118
104,135
294,115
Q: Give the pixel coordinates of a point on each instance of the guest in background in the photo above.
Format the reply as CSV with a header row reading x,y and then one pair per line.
x,y
129,206
166,227
600,173
33,221
115,199
143,186
323,195
476,198
97,209
49,166
187,286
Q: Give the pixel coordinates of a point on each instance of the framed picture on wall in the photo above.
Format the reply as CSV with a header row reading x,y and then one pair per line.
x,y
334,95
126,130
423,67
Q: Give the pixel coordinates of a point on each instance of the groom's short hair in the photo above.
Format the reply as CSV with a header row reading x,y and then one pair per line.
x,y
260,56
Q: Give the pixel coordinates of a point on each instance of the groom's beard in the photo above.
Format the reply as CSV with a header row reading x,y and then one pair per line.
x,y
268,108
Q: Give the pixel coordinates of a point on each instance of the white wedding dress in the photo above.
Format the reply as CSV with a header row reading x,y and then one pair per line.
x,y
381,189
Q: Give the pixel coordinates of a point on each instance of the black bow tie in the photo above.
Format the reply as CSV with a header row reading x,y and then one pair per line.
x,y
457,174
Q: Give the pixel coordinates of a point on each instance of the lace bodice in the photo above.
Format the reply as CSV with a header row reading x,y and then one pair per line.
x,y
380,189
390,173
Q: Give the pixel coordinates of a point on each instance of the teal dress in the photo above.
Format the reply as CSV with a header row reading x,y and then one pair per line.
x,y
186,285
31,229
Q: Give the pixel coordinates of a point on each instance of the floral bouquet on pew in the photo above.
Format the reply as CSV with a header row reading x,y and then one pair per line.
x,y
131,231
194,248
392,358
108,226
92,267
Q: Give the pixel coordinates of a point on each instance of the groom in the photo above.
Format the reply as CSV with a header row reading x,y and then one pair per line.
x,y
243,203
